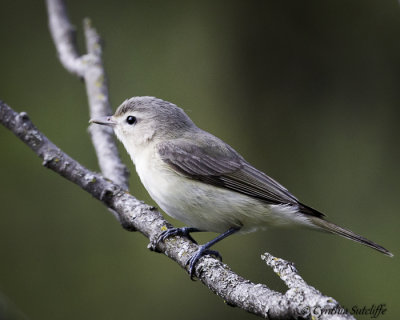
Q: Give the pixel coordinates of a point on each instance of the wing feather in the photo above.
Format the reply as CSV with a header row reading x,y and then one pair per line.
x,y
221,166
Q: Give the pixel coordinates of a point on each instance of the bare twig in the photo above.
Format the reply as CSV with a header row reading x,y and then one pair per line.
x,y
64,36
90,68
300,300
305,299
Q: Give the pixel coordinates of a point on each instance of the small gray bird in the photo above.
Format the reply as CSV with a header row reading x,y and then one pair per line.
x,y
202,181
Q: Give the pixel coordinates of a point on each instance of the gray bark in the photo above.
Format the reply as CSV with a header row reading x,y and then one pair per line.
x,y
90,68
300,301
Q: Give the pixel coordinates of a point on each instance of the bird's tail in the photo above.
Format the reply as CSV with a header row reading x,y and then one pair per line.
x,y
333,228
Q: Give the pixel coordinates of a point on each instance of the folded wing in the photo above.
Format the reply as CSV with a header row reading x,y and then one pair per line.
x,y
220,165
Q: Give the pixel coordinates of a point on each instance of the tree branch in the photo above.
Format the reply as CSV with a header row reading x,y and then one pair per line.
x,y
300,300
90,68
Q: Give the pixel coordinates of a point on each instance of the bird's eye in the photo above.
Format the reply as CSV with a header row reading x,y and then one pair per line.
x,y
131,120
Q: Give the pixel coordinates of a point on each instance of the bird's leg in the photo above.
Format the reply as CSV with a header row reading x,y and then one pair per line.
x,y
203,250
185,231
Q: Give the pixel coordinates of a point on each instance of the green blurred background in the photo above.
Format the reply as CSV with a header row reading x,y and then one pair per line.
x,y
307,91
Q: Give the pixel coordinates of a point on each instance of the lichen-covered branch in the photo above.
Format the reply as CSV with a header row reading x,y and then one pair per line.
x,y
300,301
90,68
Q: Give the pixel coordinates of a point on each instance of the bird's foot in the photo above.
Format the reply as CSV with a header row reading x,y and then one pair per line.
x,y
185,231
202,251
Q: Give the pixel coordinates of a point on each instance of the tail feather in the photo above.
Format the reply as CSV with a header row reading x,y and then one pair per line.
x,y
333,228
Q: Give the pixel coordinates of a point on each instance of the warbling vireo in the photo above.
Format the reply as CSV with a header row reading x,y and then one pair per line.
x,y
202,181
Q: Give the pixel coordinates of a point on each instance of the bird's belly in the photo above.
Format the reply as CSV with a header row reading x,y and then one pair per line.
x,y
211,208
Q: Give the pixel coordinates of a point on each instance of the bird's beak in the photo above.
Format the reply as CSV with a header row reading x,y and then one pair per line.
x,y
107,121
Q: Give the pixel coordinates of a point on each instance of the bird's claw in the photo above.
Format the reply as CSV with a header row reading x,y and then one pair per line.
x,y
175,232
203,250
192,261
